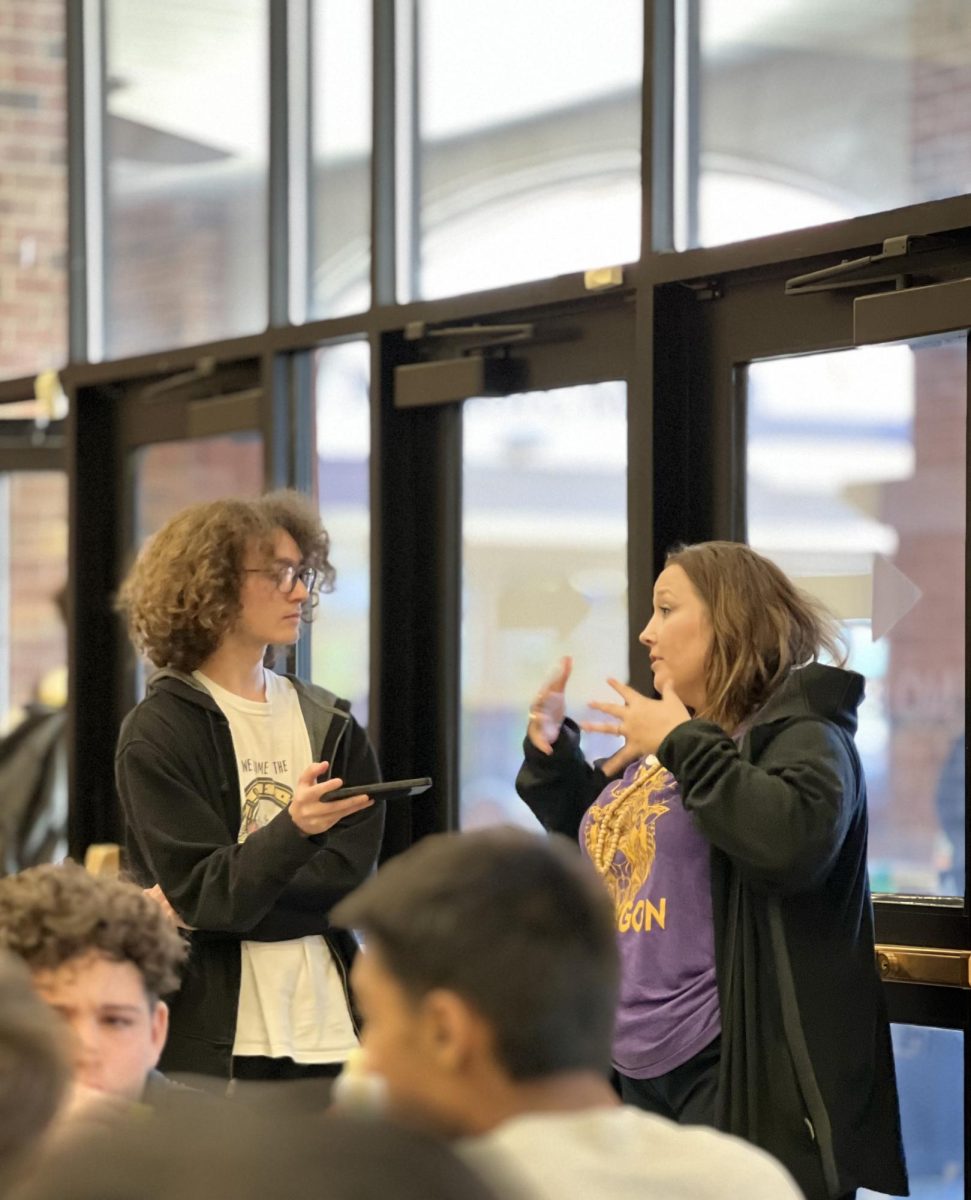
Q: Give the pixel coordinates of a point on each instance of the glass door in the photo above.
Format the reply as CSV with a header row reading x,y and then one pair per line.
x,y
834,424
512,438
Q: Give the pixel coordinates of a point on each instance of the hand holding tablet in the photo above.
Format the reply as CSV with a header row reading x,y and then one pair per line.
x,y
391,789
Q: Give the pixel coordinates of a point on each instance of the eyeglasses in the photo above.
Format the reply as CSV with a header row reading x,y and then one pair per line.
x,y
286,574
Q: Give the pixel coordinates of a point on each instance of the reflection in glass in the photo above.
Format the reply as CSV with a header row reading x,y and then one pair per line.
x,y
856,488
33,574
544,573
529,154
816,110
171,475
341,656
186,149
340,254
930,1076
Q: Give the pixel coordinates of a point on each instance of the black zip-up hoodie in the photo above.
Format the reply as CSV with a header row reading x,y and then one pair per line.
x,y
806,1062
179,787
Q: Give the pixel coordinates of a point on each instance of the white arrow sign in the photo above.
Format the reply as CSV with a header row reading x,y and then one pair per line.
x,y
894,595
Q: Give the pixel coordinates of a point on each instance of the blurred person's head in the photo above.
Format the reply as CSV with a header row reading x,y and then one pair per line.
x,y
226,567
727,628
194,1150
102,954
34,1069
490,970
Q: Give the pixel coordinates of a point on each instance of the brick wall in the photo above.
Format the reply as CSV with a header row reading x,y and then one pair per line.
x,y
33,187
33,317
37,505
174,474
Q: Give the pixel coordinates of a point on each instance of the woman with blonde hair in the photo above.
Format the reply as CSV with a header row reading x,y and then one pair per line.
x,y
731,831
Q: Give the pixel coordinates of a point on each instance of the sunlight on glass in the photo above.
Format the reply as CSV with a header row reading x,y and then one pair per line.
x,y
340,192
529,155
340,633
544,573
856,488
186,145
859,108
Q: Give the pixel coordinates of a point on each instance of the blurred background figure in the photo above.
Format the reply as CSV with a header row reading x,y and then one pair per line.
x,y
34,1069
33,772
198,1151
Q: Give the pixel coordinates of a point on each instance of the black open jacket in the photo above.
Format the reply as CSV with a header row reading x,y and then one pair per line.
x,y
807,1066
177,778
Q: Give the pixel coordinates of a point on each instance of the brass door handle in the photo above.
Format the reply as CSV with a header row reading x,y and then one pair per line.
x,y
924,964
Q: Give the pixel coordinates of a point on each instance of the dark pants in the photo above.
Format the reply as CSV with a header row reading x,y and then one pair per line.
x,y
685,1095
253,1067
280,1084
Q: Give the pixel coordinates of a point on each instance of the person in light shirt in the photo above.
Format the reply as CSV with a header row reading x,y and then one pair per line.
x,y
224,771
488,986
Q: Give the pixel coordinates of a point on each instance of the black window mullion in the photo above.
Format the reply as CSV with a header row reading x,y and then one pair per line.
x,y
87,170
383,154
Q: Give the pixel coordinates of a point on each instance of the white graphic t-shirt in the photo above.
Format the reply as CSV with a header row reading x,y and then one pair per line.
x,y
291,1000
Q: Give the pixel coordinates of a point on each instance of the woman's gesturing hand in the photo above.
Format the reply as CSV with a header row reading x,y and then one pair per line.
x,y
548,709
643,723
310,809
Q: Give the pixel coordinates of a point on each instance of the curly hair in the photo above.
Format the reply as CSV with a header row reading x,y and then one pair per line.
x,y
51,914
183,595
763,626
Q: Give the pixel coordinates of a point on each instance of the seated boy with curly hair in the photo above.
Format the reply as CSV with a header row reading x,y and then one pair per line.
x,y
102,954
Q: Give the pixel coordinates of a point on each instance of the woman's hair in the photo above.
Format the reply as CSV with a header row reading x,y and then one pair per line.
x,y
183,595
54,913
762,626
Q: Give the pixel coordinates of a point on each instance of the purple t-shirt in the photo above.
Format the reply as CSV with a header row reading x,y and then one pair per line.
x,y
655,863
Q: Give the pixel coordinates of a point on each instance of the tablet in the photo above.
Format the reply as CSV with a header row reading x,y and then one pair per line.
x,y
390,789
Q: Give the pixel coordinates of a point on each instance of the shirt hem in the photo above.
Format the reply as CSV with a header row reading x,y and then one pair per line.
x,y
674,1058
304,1057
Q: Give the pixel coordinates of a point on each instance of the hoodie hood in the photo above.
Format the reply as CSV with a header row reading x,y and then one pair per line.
x,y
830,693
180,683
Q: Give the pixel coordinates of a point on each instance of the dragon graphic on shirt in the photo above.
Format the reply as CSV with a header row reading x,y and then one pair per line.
x,y
620,837
262,799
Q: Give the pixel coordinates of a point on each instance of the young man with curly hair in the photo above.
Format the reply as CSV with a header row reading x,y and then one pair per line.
x,y
102,954
222,770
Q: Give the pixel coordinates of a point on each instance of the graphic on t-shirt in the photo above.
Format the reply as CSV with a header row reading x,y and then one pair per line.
x,y
620,837
262,800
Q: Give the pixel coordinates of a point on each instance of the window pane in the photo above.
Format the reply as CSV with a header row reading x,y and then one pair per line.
x,y
341,634
33,187
529,155
816,110
856,488
33,572
544,527
186,150
930,1076
340,258
171,475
